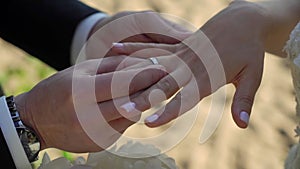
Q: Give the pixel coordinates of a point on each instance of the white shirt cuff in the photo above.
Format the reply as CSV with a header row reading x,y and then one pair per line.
x,y
11,137
81,34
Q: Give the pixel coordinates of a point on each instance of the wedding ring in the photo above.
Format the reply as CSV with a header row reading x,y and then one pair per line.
x,y
154,61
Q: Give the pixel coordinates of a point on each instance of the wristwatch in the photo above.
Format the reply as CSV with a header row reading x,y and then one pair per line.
x,y
27,136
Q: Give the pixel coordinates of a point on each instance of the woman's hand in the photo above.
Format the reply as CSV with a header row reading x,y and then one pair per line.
x,y
62,108
229,48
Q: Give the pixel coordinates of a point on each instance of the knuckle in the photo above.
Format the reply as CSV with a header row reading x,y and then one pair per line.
x,y
245,100
166,86
142,102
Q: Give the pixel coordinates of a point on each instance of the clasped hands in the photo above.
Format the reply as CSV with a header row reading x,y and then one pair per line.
x,y
184,70
228,49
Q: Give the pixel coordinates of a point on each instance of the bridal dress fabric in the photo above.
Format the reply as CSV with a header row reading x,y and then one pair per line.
x,y
293,50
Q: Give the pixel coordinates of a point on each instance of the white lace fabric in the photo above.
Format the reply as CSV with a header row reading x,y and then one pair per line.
x,y
124,157
293,51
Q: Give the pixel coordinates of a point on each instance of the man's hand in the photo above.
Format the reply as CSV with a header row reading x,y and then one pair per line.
x,y
146,26
62,108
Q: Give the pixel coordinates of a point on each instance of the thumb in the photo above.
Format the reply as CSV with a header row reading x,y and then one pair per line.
x,y
246,89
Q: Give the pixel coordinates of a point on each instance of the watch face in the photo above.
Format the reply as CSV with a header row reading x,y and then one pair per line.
x,y
30,143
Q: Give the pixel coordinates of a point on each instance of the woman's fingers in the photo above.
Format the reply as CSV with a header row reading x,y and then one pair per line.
x,y
246,89
123,83
111,64
184,101
121,124
105,65
156,94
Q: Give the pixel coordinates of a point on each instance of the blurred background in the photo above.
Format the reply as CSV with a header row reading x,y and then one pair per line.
x,y
264,145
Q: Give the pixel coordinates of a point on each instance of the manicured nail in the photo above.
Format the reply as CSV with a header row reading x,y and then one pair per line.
x,y
244,116
152,118
128,107
118,45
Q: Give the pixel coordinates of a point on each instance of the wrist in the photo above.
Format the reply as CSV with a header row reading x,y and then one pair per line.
x,y
256,17
20,102
25,111
241,21
283,16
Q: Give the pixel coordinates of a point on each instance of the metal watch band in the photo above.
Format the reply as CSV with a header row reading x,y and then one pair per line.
x,y
27,136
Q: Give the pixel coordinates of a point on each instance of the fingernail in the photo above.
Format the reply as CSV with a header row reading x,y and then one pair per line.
x,y
128,107
118,45
244,116
152,118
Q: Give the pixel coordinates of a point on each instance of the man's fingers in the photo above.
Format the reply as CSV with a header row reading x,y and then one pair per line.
x,y
123,83
246,89
149,49
179,28
161,31
174,37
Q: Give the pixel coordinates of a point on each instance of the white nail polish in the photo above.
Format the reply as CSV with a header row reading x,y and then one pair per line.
x,y
244,116
152,118
118,45
128,107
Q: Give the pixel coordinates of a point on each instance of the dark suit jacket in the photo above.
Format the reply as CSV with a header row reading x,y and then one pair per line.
x,y
44,29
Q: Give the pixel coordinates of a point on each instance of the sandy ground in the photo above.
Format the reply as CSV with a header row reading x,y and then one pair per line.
x,y
264,145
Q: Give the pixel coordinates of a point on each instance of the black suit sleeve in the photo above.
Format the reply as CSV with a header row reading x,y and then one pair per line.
x,y
43,28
